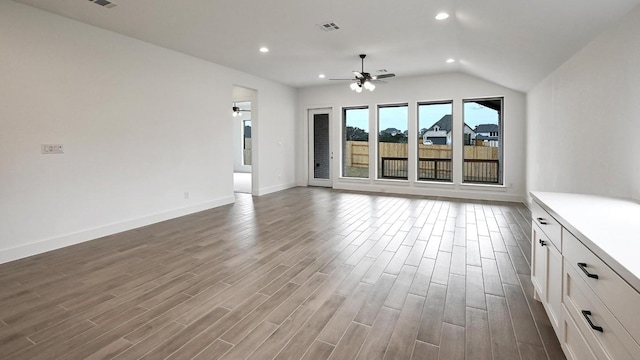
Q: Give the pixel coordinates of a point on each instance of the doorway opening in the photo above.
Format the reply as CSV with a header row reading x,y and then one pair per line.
x,y
243,148
244,118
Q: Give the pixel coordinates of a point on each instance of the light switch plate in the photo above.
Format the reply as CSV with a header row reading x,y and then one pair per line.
x,y
52,149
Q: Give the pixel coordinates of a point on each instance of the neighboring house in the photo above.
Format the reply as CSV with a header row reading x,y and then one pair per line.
x,y
487,135
440,132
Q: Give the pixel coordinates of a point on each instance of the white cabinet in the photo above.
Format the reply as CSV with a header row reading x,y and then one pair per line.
x,y
604,283
546,274
539,263
584,272
575,346
605,335
548,224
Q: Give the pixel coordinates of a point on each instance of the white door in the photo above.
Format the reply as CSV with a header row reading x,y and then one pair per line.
x,y
320,154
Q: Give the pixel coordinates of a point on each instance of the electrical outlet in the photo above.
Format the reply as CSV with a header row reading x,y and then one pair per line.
x,y
52,149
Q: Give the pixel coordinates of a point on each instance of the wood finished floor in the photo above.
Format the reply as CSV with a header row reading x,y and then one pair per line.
x,y
305,273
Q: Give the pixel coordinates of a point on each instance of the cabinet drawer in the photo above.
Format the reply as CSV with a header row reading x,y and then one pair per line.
x,y
621,299
605,335
547,223
573,343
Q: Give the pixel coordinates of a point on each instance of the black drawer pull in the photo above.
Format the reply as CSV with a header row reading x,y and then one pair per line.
x,y
542,243
542,221
586,314
583,267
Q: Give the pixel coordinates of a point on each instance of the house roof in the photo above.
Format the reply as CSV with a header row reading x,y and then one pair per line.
x,y
444,124
512,43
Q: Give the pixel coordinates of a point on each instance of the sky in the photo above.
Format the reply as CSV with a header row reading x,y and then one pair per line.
x,y
396,117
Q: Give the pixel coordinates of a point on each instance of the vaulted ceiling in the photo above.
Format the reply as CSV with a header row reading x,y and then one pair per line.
x,y
515,43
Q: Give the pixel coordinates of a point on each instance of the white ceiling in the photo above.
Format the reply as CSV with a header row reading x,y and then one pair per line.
x,y
515,43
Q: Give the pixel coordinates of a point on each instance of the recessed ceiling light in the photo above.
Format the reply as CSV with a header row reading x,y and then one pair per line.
x,y
321,76
449,61
264,49
442,16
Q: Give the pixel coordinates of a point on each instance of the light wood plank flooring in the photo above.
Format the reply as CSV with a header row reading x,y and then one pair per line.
x,y
305,273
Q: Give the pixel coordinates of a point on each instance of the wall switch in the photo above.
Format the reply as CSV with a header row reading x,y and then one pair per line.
x,y
186,194
52,149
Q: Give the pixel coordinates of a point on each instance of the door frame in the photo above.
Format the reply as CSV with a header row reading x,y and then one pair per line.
x,y
310,170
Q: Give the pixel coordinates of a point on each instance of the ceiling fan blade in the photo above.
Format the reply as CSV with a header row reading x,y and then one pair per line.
x,y
378,81
384,76
358,74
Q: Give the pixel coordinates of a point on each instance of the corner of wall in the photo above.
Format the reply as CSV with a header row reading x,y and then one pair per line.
x,y
272,189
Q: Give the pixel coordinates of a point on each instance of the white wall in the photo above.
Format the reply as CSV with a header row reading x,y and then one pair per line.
x,y
141,126
453,86
583,119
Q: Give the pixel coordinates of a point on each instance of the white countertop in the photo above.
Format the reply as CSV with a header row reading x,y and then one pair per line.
x,y
609,227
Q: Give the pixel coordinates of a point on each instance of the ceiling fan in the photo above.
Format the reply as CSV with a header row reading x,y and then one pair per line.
x,y
364,79
236,110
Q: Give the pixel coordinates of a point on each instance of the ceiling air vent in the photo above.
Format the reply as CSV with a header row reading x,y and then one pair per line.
x,y
328,26
105,3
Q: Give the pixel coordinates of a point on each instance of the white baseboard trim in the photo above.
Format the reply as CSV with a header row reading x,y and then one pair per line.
x,y
439,192
23,251
272,189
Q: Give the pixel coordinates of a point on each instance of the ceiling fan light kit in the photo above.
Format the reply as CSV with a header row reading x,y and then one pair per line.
x,y
364,79
369,85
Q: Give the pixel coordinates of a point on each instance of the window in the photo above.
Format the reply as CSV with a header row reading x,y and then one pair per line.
x,y
435,124
355,142
393,144
246,142
483,148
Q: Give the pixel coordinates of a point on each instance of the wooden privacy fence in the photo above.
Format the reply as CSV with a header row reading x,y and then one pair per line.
x,y
481,162
436,169
357,152
475,170
428,169
481,171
